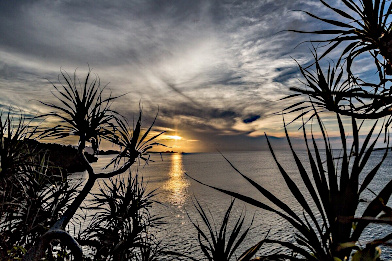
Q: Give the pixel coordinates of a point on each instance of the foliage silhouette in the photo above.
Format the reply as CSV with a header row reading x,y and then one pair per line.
x,y
83,111
31,199
334,188
329,230
222,244
36,216
363,27
120,226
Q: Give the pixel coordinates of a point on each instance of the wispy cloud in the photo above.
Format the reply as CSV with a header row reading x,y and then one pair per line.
x,y
214,68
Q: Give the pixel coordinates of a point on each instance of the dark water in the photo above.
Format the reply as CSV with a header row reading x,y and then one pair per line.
x,y
177,194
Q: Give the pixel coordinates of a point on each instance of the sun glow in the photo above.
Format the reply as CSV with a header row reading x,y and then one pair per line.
x,y
173,137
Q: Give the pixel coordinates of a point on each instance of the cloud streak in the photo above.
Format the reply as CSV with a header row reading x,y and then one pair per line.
x,y
214,68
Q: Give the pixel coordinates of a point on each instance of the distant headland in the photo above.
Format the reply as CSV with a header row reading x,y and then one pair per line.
x,y
63,157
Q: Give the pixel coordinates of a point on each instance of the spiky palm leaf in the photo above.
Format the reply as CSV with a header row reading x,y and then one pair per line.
x,y
364,27
39,203
221,244
131,141
14,152
83,111
334,188
122,217
329,90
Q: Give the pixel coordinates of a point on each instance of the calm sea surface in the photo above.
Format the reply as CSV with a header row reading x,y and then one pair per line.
x,y
177,194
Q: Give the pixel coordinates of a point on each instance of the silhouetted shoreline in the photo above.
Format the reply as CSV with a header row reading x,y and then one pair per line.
x,y
62,156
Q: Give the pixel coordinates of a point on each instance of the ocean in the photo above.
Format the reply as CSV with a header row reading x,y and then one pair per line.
x,y
177,193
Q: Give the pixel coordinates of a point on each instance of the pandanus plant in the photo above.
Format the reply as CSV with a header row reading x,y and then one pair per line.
x,y
14,153
335,185
83,111
362,25
329,90
120,226
223,243
31,198
132,146
359,27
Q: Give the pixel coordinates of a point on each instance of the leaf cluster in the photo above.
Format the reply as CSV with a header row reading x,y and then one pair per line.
x,y
119,229
14,153
133,144
361,27
36,216
222,244
31,199
335,189
83,110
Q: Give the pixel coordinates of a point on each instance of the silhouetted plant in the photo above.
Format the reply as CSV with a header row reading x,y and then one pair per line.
x,y
132,146
122,220
36,210
326,92
221,244
15,154
330,91
329,229
365,30
31,199
363,27
150,250
335,188
85,112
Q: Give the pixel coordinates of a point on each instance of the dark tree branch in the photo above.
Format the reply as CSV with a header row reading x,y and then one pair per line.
x,y
38,251
118,171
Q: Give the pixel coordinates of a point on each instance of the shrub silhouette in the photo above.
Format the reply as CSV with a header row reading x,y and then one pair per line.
x,y
36,208
330,230
222,243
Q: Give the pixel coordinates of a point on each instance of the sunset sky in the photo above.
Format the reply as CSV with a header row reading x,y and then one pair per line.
x,y
215,70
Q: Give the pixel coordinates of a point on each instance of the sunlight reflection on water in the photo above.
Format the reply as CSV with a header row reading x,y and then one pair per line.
x,y
177,185
175,193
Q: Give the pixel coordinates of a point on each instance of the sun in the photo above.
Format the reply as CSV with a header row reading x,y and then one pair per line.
x,y
173,137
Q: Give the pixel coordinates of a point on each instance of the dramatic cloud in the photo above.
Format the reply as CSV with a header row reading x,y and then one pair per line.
x,y
251,119
215,69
